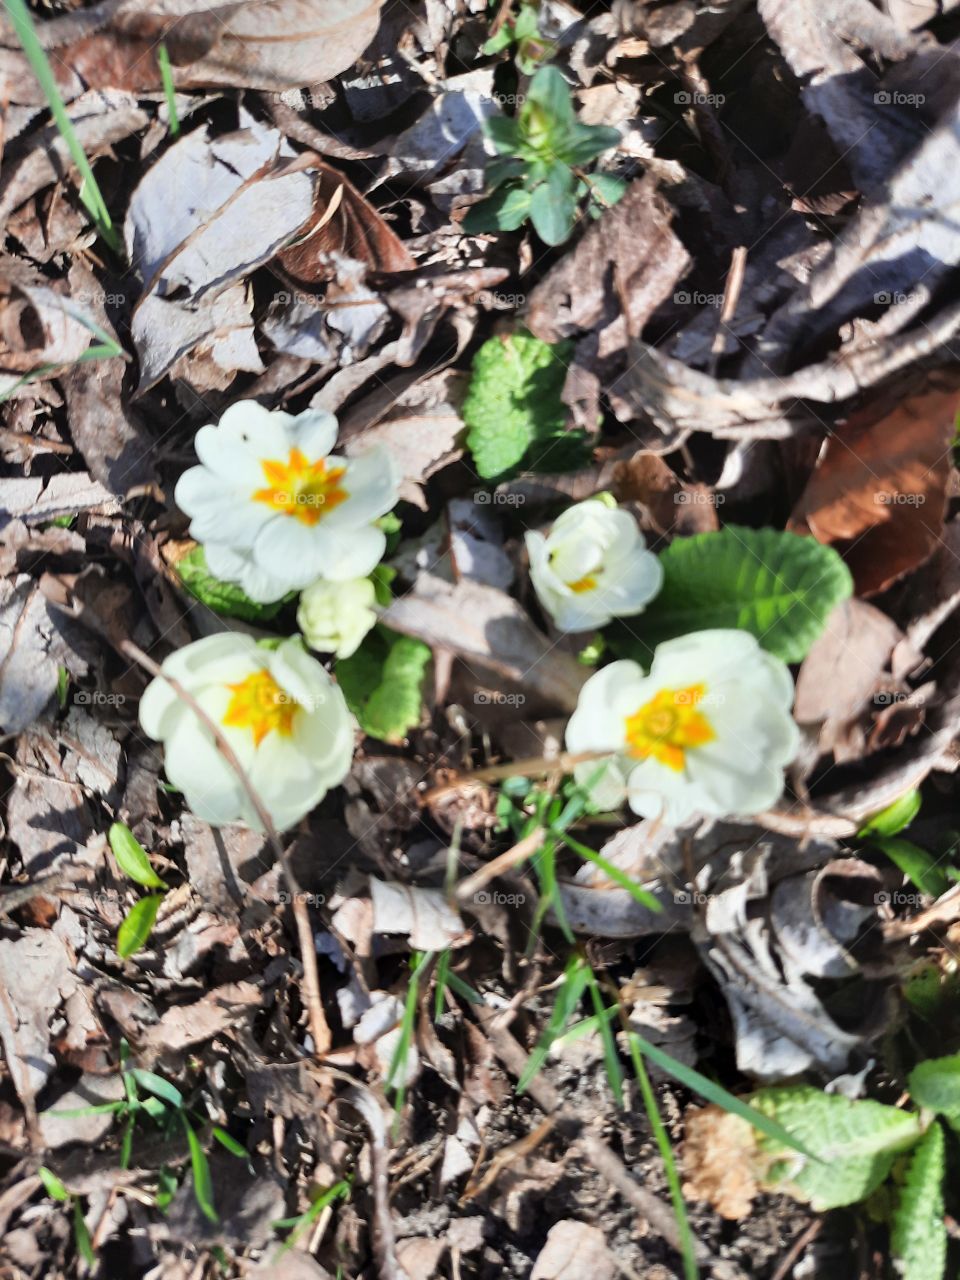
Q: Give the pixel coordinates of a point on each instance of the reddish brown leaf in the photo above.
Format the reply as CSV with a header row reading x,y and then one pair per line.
x,y
343,221
879,490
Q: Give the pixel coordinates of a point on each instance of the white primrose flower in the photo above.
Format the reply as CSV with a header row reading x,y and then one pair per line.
x,y
333,617
592,566
280,712
708,731
275,511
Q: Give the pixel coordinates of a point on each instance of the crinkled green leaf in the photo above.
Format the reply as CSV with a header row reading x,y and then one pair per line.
x,y
935,1084
855,1142
223,597
383,683
132,857
918,1236
513,409
779,586
136,928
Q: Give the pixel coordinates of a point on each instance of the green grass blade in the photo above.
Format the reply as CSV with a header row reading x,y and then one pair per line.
x,y
89,191
643,896
82,1236
687,1250
611,1057
575,978
166,75
202,1182
156,1085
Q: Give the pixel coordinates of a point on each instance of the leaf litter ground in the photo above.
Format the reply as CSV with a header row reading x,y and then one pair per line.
x,y
750,304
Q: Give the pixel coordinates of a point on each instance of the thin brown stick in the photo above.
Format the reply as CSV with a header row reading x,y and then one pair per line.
x,y
522,850
319,1027
532,767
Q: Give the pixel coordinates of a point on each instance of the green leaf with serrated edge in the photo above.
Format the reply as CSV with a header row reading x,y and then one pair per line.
x,y
383,683
918,1235
779,586
935,1084
222,597
892,820
136,928
514,400
855,1141
202,1182
156,1085
132,857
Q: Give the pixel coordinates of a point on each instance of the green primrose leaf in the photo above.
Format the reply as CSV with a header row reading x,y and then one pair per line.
x,y
935,1084
918,1236
132,857
383,683
779,586
222,597
855,1142
513,409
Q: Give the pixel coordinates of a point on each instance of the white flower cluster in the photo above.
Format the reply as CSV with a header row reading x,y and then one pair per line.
x,y
707,731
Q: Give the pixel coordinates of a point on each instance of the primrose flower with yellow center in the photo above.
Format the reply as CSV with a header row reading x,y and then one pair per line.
x,y
593,566
708,731
275,511
278,709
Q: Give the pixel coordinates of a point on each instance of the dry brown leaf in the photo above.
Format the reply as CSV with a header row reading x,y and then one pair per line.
x,y
627,263
879,491
574,1250
241,44
716,1160
342,221
842,669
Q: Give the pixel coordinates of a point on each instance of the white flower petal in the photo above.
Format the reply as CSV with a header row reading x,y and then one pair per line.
x,y
264,433
355,553
300,553
228,457
240,567
314,433
373,483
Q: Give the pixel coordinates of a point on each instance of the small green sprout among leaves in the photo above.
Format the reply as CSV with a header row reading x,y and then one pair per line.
x,y
522,34
132,860
540,176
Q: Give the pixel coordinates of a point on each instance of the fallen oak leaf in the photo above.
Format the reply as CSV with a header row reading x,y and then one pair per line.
x,y
240,44
879,490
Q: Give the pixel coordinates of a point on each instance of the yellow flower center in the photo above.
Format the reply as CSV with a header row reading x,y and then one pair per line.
x,y
259,704
306,490
667,725
586,583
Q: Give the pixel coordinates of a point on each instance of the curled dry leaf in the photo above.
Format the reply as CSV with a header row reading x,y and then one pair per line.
x,y
342,221
239,204
38,326
879,490
253,44
423,915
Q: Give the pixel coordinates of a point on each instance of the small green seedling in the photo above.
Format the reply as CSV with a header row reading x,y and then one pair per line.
x,y
540,174
147,1095
134,932
56,1190
320,1201
522,34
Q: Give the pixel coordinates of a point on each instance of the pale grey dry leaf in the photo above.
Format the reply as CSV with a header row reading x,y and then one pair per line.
x,y
423,915
491,634
843,668
59,329
823,42
34,643
933,593
574,1250
476,543
419,1257
682,400
90,1091
235,211
37,500
99,120
907,234
616,277
91,752
291,1265
34,978
252,44
189,1024
818,918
